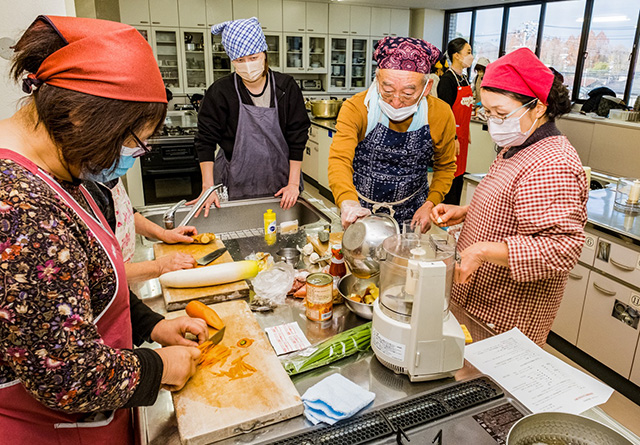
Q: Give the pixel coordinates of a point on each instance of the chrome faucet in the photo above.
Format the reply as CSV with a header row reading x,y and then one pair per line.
x,y
169,217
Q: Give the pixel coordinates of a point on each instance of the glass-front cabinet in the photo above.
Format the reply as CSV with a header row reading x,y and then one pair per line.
x,y
306,53
220,62
294,59
274,50
349,68
373,65
196,64
168,50
316,54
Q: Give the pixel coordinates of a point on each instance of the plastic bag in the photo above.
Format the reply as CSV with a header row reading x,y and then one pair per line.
x,y
274,283
339,346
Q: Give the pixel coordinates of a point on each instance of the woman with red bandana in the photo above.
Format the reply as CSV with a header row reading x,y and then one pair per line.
x,y
68,370
523,230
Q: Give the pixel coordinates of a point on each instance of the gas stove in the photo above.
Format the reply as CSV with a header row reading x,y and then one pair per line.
x,y
178,131
476,411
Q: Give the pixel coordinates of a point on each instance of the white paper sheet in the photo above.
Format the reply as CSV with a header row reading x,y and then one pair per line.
x,y
287,338
536,378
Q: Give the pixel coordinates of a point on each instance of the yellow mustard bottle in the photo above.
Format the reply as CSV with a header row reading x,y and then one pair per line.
x,y
270,227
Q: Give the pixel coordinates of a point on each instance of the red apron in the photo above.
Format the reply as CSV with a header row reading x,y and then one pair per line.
x,y
24,420
462,108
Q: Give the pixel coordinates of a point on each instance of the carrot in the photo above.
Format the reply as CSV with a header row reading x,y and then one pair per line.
x,y
197,309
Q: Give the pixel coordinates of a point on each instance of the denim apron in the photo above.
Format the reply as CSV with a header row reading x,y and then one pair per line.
x,y
390,170
259,164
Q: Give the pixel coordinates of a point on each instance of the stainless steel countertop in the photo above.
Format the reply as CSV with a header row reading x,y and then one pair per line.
x,y
600,211
329,124
159,422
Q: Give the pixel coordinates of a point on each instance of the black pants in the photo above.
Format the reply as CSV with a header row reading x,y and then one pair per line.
x,y
455,192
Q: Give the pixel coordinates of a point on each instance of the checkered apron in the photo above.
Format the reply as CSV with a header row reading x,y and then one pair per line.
x,y
390,170
534,201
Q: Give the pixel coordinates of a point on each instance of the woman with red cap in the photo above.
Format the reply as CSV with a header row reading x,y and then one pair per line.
x,y
68,370
523,230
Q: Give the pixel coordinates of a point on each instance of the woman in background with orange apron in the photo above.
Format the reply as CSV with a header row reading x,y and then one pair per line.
x,y
454,89
68,370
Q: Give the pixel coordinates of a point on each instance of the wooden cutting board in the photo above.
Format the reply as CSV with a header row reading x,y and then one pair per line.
x,y
323,248
177,298
211,407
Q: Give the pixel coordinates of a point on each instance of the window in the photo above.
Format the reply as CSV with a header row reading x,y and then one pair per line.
x,y
522,30
459,26
609,46
635,86
561,32
486,37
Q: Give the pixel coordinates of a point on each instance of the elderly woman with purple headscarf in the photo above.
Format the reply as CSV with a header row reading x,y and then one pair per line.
x,y
388,136
257,117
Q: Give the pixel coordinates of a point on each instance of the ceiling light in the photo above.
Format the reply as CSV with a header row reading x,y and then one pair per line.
x,y
608,19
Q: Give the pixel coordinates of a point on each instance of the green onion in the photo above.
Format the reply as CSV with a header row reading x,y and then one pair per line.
x,y
339,346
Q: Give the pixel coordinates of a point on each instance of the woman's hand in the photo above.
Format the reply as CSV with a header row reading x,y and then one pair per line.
x,y
177,261
211,200
457,142
179,364
181,234
445,215
422,217
173,332
471,259
289,194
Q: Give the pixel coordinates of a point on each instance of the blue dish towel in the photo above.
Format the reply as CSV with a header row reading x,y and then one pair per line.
x,y
334,398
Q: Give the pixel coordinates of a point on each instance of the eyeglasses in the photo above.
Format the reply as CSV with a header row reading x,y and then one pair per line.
x,y
500,120
142,148
403,98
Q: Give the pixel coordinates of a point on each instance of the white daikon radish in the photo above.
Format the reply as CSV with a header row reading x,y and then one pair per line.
x,y
210,275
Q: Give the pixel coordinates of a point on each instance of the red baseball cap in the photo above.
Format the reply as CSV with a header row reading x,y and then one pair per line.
x,y
520,72
101,58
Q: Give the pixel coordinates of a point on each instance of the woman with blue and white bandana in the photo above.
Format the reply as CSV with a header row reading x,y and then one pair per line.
x,y
389,135
257,117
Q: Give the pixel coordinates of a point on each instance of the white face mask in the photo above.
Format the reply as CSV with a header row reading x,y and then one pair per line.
x,y
508,133
402,113
467,61
250,71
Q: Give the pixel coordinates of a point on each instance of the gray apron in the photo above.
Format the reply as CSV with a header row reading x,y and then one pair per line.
x,y
259,164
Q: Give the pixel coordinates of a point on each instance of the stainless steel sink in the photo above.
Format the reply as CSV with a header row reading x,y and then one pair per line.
x,y
239,219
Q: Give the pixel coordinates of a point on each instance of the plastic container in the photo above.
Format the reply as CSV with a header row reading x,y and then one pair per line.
x,y
270,227
627,196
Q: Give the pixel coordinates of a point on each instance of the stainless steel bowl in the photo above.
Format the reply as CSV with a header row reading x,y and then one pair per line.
x,y
362,241
562,428
289,255
351,284
325,109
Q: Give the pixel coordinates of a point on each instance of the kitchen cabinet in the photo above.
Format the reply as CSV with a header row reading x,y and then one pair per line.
x,y
195,65
399,24
360,20
306,53
619,260
145,31
310,159
339,19
274,50
635,368
305,17
245,9
135,12
192,13
567,321
380,21
325,137
589,248
481,153
270,15
220,62
164,12
348,72
218,11
602,335
168,49
579,134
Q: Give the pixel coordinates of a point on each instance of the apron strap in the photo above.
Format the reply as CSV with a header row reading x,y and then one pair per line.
x,y
272,87
388,205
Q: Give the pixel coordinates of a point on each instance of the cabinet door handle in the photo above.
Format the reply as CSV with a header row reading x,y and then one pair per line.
x,y
300,29
346,32
622,266
309,29
156,23
609,293
144,21
385,33
263,27
575,276
200,24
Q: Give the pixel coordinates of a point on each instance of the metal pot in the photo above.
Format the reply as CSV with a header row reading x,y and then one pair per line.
x,y
190,46
325,109
361,243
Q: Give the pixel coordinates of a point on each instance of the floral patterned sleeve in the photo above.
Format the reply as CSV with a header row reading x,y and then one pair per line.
x,y
55,279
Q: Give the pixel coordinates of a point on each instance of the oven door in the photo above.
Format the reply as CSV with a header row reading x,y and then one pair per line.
x,y
168,185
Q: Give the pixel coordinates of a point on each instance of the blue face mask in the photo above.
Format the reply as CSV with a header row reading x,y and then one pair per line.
x,y
120,167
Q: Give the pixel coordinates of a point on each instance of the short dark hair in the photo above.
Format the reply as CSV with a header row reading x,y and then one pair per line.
x,y
89,130
455,46
558,102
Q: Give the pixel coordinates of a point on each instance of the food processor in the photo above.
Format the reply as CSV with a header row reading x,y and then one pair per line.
x,y
413,332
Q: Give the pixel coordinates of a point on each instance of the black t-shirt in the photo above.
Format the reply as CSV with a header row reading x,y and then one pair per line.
x,y
448,86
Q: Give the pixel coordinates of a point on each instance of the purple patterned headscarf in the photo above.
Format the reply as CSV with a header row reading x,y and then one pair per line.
x,y
406,54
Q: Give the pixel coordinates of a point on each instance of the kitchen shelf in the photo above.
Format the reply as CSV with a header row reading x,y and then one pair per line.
x,y
195,52
228,70
195,69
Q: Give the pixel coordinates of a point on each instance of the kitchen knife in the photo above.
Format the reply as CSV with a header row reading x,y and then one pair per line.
x,y
211,256
217,337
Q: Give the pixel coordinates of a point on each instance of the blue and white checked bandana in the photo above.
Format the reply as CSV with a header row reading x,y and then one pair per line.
x,y
241,37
